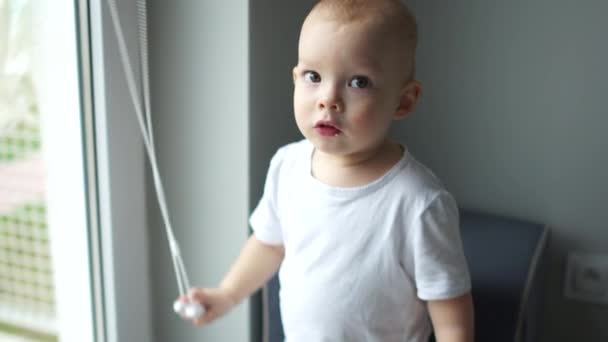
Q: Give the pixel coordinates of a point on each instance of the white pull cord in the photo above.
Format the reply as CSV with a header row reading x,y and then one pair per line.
x,y
190,310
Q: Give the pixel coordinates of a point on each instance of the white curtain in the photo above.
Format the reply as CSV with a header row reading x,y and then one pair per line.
x,y
17,97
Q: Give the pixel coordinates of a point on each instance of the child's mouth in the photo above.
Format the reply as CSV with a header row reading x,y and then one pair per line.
x,y
327,129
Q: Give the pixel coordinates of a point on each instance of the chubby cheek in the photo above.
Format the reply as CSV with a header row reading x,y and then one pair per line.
x,y
297,102
366,121
362,119
368,125
301,110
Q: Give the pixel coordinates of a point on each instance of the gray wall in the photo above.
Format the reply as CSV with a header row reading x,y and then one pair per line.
x,y
222,99
199,78
274,29
513,119
123,310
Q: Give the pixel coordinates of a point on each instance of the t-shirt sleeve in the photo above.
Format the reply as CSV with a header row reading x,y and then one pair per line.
x,y
434,251
264,220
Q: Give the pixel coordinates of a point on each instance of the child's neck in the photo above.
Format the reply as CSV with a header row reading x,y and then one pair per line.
x,y
356,169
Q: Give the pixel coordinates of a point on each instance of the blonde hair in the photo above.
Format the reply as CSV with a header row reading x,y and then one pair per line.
x,y
392,17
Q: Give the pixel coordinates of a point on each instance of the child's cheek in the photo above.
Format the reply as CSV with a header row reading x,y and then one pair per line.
x,y
302,95
297,100
364,119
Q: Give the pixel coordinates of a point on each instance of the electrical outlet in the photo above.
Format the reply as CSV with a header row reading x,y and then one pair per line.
x,y
587,277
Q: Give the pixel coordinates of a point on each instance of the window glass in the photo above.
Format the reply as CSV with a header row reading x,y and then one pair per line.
x,y
27,306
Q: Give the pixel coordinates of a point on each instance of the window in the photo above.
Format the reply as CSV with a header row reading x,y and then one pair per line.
x,y
44,252
27,304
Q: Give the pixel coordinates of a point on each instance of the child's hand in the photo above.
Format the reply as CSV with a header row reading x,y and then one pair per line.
x,y
216,303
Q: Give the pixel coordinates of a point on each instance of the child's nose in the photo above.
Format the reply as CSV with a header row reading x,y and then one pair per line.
x,y
330,99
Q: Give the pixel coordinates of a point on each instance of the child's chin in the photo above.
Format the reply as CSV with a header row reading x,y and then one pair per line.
x,y
330,146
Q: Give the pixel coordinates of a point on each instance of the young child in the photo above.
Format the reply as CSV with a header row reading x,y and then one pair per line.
x,y
366,238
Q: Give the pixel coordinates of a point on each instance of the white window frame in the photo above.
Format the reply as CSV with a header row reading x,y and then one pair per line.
x,y
59,101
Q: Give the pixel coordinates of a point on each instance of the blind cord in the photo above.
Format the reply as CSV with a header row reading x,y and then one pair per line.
x,y
142,105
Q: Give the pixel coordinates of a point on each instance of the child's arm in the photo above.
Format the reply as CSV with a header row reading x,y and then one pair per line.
x,y
452,319
254,266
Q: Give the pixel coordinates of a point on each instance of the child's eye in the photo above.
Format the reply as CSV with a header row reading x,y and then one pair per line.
x,y
359,82
312,76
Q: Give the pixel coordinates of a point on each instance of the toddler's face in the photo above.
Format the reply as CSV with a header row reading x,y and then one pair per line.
x,y
348,86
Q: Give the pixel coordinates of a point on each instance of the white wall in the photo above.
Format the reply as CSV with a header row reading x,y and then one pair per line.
x,y
513,119
199,78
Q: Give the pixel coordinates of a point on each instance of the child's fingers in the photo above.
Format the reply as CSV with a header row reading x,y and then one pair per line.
x,y
198,295
201,297
209,316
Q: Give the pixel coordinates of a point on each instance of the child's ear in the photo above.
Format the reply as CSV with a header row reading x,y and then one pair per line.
x,y
294,74
410,94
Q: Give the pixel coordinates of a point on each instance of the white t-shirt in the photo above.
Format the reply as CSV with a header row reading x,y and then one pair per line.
x,y
359,262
